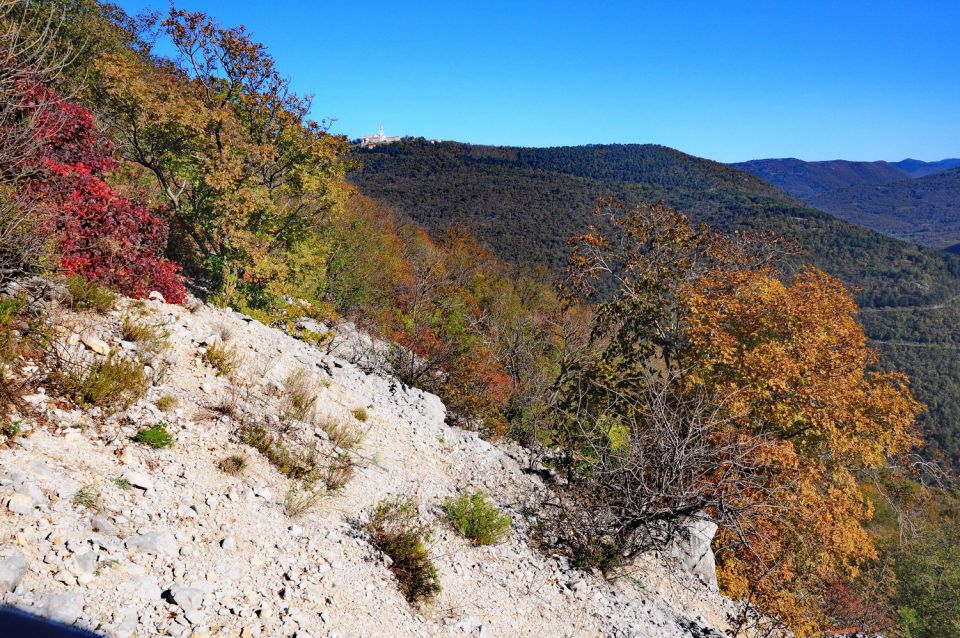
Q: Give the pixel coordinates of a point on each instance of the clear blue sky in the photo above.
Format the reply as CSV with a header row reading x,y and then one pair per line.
x,y
726,79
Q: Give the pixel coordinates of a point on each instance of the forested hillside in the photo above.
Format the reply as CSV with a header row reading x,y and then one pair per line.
x,y
524,203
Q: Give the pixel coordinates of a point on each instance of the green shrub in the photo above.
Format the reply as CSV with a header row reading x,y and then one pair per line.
x,y
222,358
122,483
86,295
477,518
396,531
156,436
114,381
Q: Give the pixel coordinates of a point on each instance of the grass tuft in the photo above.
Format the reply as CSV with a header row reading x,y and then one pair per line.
x,y
344,435
222,358
167,402
360,414
89,498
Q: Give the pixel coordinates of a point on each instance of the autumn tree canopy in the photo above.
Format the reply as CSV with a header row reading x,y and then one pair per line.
x,y
800,411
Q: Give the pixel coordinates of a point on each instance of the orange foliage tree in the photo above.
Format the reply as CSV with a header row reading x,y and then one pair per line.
x,y
787,365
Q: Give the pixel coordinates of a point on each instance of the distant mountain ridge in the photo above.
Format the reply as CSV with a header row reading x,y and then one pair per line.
x,y
917,168
525,202
911,199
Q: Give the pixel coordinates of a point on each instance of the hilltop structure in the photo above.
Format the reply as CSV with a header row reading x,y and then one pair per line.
x,y
369,141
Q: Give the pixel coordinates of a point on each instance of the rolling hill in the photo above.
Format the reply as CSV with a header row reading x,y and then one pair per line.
x,y
525,202
912,200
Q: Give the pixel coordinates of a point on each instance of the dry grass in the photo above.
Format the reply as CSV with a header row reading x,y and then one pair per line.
x,y
233,464
360,414
167,402
301,397
222,358
343,435
300,466
301,500
339,472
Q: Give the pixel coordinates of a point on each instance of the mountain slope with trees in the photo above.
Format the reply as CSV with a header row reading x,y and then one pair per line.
x,y
524,203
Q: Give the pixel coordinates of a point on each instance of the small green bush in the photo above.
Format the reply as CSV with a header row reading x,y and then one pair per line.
x,y
396,531
114,381
156,436
122,483
222,358
86,295
360,414
477,518
87,497
146,335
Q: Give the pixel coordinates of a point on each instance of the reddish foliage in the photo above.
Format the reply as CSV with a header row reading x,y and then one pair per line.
x,y
100,234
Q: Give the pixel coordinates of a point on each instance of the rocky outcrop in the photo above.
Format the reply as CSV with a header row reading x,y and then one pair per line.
x,y
108,534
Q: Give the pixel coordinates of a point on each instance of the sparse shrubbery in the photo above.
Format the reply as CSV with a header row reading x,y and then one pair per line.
x,y
111,382
156,436
395,530
477,518
222,358
360,414
304,467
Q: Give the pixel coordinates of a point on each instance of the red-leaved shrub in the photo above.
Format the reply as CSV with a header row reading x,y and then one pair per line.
x,y
99,234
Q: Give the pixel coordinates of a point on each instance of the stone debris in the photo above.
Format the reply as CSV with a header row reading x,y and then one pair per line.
x,y
168,544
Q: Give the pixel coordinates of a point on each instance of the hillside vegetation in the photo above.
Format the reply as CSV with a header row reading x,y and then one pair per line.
x,y
670,391
524,203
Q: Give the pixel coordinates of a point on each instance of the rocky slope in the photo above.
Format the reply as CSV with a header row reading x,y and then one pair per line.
x,y
128,540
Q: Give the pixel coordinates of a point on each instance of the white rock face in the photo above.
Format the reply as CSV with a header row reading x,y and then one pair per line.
x,y
192,550
693,550
12,570
155,543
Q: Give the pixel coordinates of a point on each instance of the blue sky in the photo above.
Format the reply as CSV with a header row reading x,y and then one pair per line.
x,y
728,79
